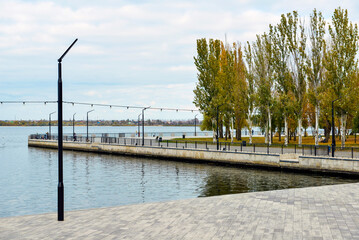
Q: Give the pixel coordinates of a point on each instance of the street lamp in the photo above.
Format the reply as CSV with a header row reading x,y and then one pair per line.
x,y
143,125
138,123
87,125
333,128
73,126
195,120
60,188
50,125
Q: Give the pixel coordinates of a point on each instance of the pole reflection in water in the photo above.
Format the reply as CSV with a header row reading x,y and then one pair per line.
x,y
143,182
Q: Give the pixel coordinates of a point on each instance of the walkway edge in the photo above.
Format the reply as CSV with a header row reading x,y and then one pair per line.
x,y
286,161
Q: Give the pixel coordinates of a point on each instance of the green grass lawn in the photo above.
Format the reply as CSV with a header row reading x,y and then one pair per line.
x,y
350,142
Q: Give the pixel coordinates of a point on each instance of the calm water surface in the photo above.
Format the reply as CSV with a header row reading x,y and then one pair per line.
x,y
28,176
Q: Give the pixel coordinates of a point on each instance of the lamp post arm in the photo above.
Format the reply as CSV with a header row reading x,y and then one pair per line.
x,y
68,49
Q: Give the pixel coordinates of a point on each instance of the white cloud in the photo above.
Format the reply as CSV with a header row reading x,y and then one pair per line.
x,y
129,52
181,68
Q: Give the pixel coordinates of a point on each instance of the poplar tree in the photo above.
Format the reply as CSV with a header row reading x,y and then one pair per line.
x,y
240,91
263,72
251,89
226,87
284,84
207,88
315,66
341,65
296,40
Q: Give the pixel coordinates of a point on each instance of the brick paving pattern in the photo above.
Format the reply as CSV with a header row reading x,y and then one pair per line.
x,y
326,212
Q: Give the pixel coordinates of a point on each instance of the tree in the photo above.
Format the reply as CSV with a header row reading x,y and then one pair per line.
x,y
240,91
207,88
226,87
341,65
356,123
315,68
251,89
263,73
281,72
296,40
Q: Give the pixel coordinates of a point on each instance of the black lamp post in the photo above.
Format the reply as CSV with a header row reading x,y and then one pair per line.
x,y
138,123
333,128
50,125
195,121
143,125
73,126
87,125
60,188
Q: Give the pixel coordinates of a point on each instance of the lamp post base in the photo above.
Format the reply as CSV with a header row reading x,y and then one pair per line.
x,y
60,202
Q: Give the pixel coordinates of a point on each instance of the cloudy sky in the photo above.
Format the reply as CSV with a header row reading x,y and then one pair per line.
x,y
136,53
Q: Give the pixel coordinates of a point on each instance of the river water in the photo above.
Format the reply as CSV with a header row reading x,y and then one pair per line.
x,y
28,176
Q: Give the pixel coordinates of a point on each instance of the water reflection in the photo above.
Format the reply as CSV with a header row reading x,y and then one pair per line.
x,y
96,180
225,180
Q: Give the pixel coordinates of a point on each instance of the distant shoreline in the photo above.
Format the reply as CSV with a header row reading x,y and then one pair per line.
x,y
99,126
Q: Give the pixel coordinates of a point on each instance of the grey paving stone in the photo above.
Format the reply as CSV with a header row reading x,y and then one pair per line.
x,y
327,212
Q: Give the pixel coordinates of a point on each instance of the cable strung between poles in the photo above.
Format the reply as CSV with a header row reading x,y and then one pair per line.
x,y
103,105
128,107
24,102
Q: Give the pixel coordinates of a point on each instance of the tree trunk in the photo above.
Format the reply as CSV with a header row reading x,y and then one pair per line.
x,y
214,131
232,130
226,134
316,132
295,135
327,129
270,126
280,134
266,134
343,123
237,132
250,128
221,129
285,131
300,130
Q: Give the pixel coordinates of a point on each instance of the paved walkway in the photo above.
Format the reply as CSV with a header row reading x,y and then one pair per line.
x,y
327,212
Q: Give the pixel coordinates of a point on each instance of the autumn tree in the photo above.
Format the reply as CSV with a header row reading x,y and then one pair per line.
x,y
315,68
206,93
251,89
341,65
284,84
296,40
263,75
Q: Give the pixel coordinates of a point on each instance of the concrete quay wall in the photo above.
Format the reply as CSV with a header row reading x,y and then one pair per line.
x,y
286,161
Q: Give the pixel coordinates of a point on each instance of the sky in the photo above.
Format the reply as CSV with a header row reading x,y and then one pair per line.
x,y
137,53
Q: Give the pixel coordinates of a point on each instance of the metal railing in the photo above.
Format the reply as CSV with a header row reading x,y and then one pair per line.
x,y
303,150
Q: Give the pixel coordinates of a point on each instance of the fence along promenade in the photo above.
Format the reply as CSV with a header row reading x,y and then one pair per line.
x,y
158,140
